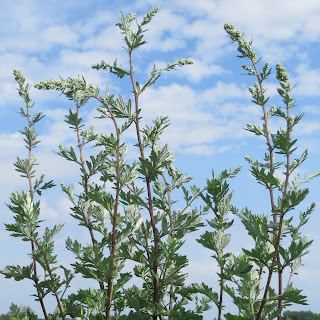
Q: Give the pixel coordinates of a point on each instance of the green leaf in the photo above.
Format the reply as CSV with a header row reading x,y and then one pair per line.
x,y
31,138
49,234
105,199
283,142
38,187
26,168
75,246
229,316
215,241
37,118
118,71
68,154
73,119
207,291
159,158
17,272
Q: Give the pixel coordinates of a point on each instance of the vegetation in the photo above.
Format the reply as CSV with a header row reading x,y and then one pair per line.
x,y
150,232
300,315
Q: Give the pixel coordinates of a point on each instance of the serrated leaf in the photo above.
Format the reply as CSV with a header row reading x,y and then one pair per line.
x,y
17,272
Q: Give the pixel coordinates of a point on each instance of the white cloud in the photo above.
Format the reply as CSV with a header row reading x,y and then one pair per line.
x,y
166,33
196,72
42,41
20,16
46,211
8,85
12,143
13,146
311,109
210,38
56,134
283,23
202,270
223,91
55,167
307,128
89,25
197,118
308,80
290,22
109,39
58,35
199,70
64,205
56,114
85,59
205,150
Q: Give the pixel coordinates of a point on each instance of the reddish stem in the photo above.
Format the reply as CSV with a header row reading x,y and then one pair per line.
x,y
153,224
264,299
270,188
37,282
114,218
86,192
172,232
32,242
221,295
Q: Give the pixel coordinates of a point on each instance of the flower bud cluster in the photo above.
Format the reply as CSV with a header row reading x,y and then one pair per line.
x,y
248,158
182,62
283,78
244,46
50,84
254,90
282,75
131,17
147,18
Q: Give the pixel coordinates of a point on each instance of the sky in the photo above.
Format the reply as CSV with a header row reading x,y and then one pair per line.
x,y
208,103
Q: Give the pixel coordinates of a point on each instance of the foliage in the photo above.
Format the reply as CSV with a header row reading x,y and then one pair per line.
x,y
19,313
148,231
300,315
269,252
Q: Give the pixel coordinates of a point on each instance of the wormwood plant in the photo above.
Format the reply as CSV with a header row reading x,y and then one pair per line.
x,y
270,254
151,242
146,229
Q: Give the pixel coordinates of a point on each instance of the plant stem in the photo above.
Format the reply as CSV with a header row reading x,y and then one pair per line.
x,y
289,280
172,232
270,188
154,229
32,242
268,139
64,291
221,294
36,282
188,205
114,218
52,279
83,165
283,196
260,275
264,300
144,228
114,225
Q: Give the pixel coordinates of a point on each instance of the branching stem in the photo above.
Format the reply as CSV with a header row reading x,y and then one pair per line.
x,y
32,242
153,224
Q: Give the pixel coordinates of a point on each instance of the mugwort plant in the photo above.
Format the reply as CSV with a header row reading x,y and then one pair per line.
x,y
129,213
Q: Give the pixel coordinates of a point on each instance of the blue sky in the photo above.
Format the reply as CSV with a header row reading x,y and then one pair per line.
x,y
208,104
